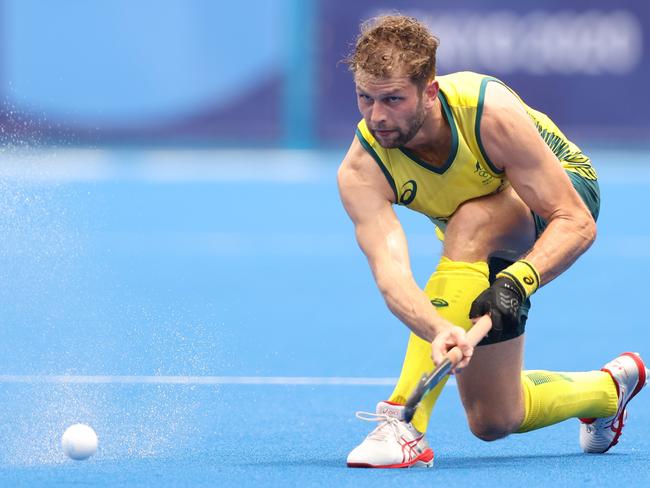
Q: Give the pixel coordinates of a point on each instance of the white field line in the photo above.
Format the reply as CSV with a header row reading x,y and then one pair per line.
x,y
203,380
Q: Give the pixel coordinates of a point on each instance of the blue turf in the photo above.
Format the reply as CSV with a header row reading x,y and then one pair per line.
x,y
258,278
247,436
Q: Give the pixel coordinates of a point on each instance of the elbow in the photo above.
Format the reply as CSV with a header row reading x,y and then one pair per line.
x,y
593,230
588,230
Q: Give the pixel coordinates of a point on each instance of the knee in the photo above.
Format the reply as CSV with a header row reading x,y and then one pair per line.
x,y
484,225
493,427
468,236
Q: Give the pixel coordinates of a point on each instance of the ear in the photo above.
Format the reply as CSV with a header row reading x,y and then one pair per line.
x,y
431,93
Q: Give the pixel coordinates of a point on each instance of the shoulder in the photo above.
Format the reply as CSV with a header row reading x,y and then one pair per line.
x,y
507,131
503,113
356,161
463,88
359,170
499,96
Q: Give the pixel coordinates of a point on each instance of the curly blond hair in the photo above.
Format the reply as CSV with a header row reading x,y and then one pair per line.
x,y
392,44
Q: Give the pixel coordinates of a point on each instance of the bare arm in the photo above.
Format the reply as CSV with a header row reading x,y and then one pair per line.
x,y
367,198
512,142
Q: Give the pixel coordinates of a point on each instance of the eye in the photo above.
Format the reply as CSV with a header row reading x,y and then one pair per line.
x,y
364,97
394,99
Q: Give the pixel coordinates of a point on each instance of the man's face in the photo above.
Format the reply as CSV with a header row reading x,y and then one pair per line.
x,y
393,108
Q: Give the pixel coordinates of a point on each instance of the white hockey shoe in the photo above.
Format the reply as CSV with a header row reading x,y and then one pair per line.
x,y
629,375
393,444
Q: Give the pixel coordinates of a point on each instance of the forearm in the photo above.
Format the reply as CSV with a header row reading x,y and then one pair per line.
x,y
410,304
561,243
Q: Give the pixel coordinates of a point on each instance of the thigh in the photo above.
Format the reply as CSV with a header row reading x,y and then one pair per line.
x,y
500,223
490,387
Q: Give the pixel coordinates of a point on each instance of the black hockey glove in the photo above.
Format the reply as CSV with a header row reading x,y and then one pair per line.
x,y
502,301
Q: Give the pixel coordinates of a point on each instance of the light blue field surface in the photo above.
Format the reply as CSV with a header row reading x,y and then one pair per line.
x,y
153,294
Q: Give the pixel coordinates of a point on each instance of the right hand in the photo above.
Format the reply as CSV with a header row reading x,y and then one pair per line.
x,y
448,338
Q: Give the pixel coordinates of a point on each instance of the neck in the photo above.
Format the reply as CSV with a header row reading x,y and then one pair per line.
x,y
432,143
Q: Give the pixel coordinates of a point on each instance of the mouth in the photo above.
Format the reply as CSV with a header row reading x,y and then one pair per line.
x,y
383,132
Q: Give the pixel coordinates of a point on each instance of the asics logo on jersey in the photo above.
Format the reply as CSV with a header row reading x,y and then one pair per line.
x,y
409,189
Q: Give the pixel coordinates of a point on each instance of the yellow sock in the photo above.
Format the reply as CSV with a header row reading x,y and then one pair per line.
x,y
553,397
452,288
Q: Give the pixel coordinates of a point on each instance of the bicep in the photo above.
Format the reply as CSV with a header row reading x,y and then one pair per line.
x,y
512,142
377,228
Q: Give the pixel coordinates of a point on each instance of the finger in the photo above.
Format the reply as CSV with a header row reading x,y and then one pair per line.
x,y
468,351
460,339
479,307
437,352
449,343
460,367
438,356
467,357
441,346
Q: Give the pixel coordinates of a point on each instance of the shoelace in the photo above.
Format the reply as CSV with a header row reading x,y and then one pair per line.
x,y
380,431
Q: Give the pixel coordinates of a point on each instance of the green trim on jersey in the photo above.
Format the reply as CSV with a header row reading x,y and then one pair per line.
x,y
477,126
467,173
570,155
454,142
376,157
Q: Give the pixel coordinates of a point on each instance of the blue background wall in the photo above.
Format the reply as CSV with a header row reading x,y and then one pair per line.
x,y
146,70
267,72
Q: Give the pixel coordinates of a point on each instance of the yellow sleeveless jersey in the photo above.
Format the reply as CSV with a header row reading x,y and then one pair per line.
x,y
468,172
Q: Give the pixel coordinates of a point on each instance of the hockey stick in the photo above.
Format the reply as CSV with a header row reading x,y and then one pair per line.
x,y
429,381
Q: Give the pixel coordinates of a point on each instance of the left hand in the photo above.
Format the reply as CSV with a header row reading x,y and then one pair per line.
x,y
502,301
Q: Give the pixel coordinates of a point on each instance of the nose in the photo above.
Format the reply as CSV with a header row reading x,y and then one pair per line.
x,y
377,115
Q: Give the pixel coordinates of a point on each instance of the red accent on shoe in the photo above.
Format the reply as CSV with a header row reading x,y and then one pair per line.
x,y
640,384
426,456
410,447
642,373
619,422
395,404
